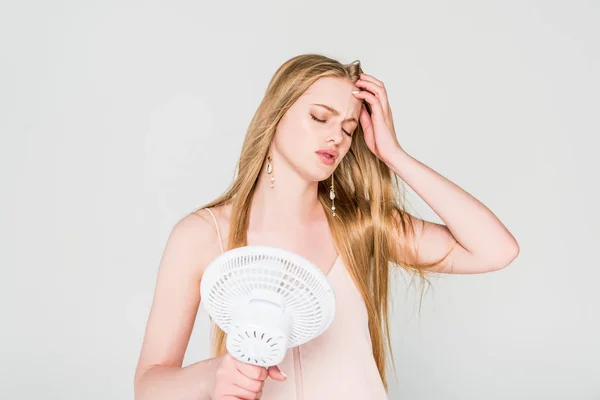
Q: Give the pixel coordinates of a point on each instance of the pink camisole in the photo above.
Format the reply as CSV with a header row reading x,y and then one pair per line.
x,y
337,365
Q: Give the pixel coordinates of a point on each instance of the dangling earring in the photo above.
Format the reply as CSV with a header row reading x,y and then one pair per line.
x,y
270,170
332,196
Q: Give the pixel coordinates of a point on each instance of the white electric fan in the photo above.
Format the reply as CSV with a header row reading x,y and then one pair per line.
x,y
267,300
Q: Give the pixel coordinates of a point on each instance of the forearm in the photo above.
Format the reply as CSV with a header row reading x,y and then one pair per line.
x,y
175,383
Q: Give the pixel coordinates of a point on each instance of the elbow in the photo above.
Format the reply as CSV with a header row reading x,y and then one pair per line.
x,y
513,253
509,257
138,382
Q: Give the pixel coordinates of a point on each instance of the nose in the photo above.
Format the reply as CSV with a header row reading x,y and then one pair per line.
x,y
335,137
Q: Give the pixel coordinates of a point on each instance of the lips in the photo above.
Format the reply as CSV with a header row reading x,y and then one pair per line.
x,y
328,153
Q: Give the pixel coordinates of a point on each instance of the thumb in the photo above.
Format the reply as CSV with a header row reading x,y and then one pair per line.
x,y
276,374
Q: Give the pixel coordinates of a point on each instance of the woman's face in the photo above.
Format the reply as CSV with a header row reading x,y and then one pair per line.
x,y
307,127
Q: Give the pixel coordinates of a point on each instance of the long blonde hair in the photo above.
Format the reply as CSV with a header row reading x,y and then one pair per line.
x,y
371,227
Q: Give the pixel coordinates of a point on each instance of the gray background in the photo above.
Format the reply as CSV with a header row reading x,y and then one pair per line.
x,y
117,118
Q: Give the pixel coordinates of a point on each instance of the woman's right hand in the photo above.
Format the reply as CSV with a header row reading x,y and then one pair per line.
x,y
237,380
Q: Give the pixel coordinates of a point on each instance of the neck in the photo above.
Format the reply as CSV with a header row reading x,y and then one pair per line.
x,y
291,203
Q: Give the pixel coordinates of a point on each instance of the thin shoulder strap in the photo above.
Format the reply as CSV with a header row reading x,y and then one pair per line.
x,y
217,226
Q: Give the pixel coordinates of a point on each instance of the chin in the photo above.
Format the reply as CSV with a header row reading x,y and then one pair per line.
x,y
316,172
323,173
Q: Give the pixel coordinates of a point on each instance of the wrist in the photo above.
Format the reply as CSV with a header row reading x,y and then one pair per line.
x,y
396,158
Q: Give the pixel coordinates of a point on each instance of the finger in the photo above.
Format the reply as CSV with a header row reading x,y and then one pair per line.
x,y
365,119
378,91
275,373
245,394
367,126
369,78
373,101
254,385
252,371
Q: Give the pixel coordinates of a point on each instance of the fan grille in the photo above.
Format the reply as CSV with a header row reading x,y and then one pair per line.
x,y
234,276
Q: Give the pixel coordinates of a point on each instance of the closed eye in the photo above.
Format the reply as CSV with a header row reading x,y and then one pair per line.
x,y
322,122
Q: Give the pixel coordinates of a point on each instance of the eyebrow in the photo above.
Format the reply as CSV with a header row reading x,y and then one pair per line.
x,y
335,112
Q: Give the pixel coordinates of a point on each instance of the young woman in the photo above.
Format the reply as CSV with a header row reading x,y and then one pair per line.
x,y
318,176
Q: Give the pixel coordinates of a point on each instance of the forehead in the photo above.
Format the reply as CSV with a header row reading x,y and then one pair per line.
x,y
334,92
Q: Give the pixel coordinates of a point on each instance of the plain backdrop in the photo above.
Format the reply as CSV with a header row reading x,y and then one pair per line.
x,y
117,118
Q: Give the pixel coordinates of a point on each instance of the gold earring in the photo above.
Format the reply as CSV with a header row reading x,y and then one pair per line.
x,y
332,196
270,170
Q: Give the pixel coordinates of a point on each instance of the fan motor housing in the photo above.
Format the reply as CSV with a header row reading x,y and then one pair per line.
x,y
257,345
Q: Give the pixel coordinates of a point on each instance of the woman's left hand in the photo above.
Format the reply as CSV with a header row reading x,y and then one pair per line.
x,y
378,127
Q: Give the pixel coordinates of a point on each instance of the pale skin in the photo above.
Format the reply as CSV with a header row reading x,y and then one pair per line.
x,y
290,216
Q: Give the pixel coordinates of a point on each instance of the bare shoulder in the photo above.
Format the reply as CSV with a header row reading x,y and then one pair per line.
x,y
222,214
194,237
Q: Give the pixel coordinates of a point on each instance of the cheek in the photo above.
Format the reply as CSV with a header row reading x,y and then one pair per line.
x,y
346,146
291,138
297,131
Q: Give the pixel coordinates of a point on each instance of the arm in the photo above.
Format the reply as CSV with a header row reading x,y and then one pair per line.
x,y
479,241
192,244
172,382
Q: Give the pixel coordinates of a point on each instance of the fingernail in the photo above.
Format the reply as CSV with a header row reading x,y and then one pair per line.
x,y
284,375
356,91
